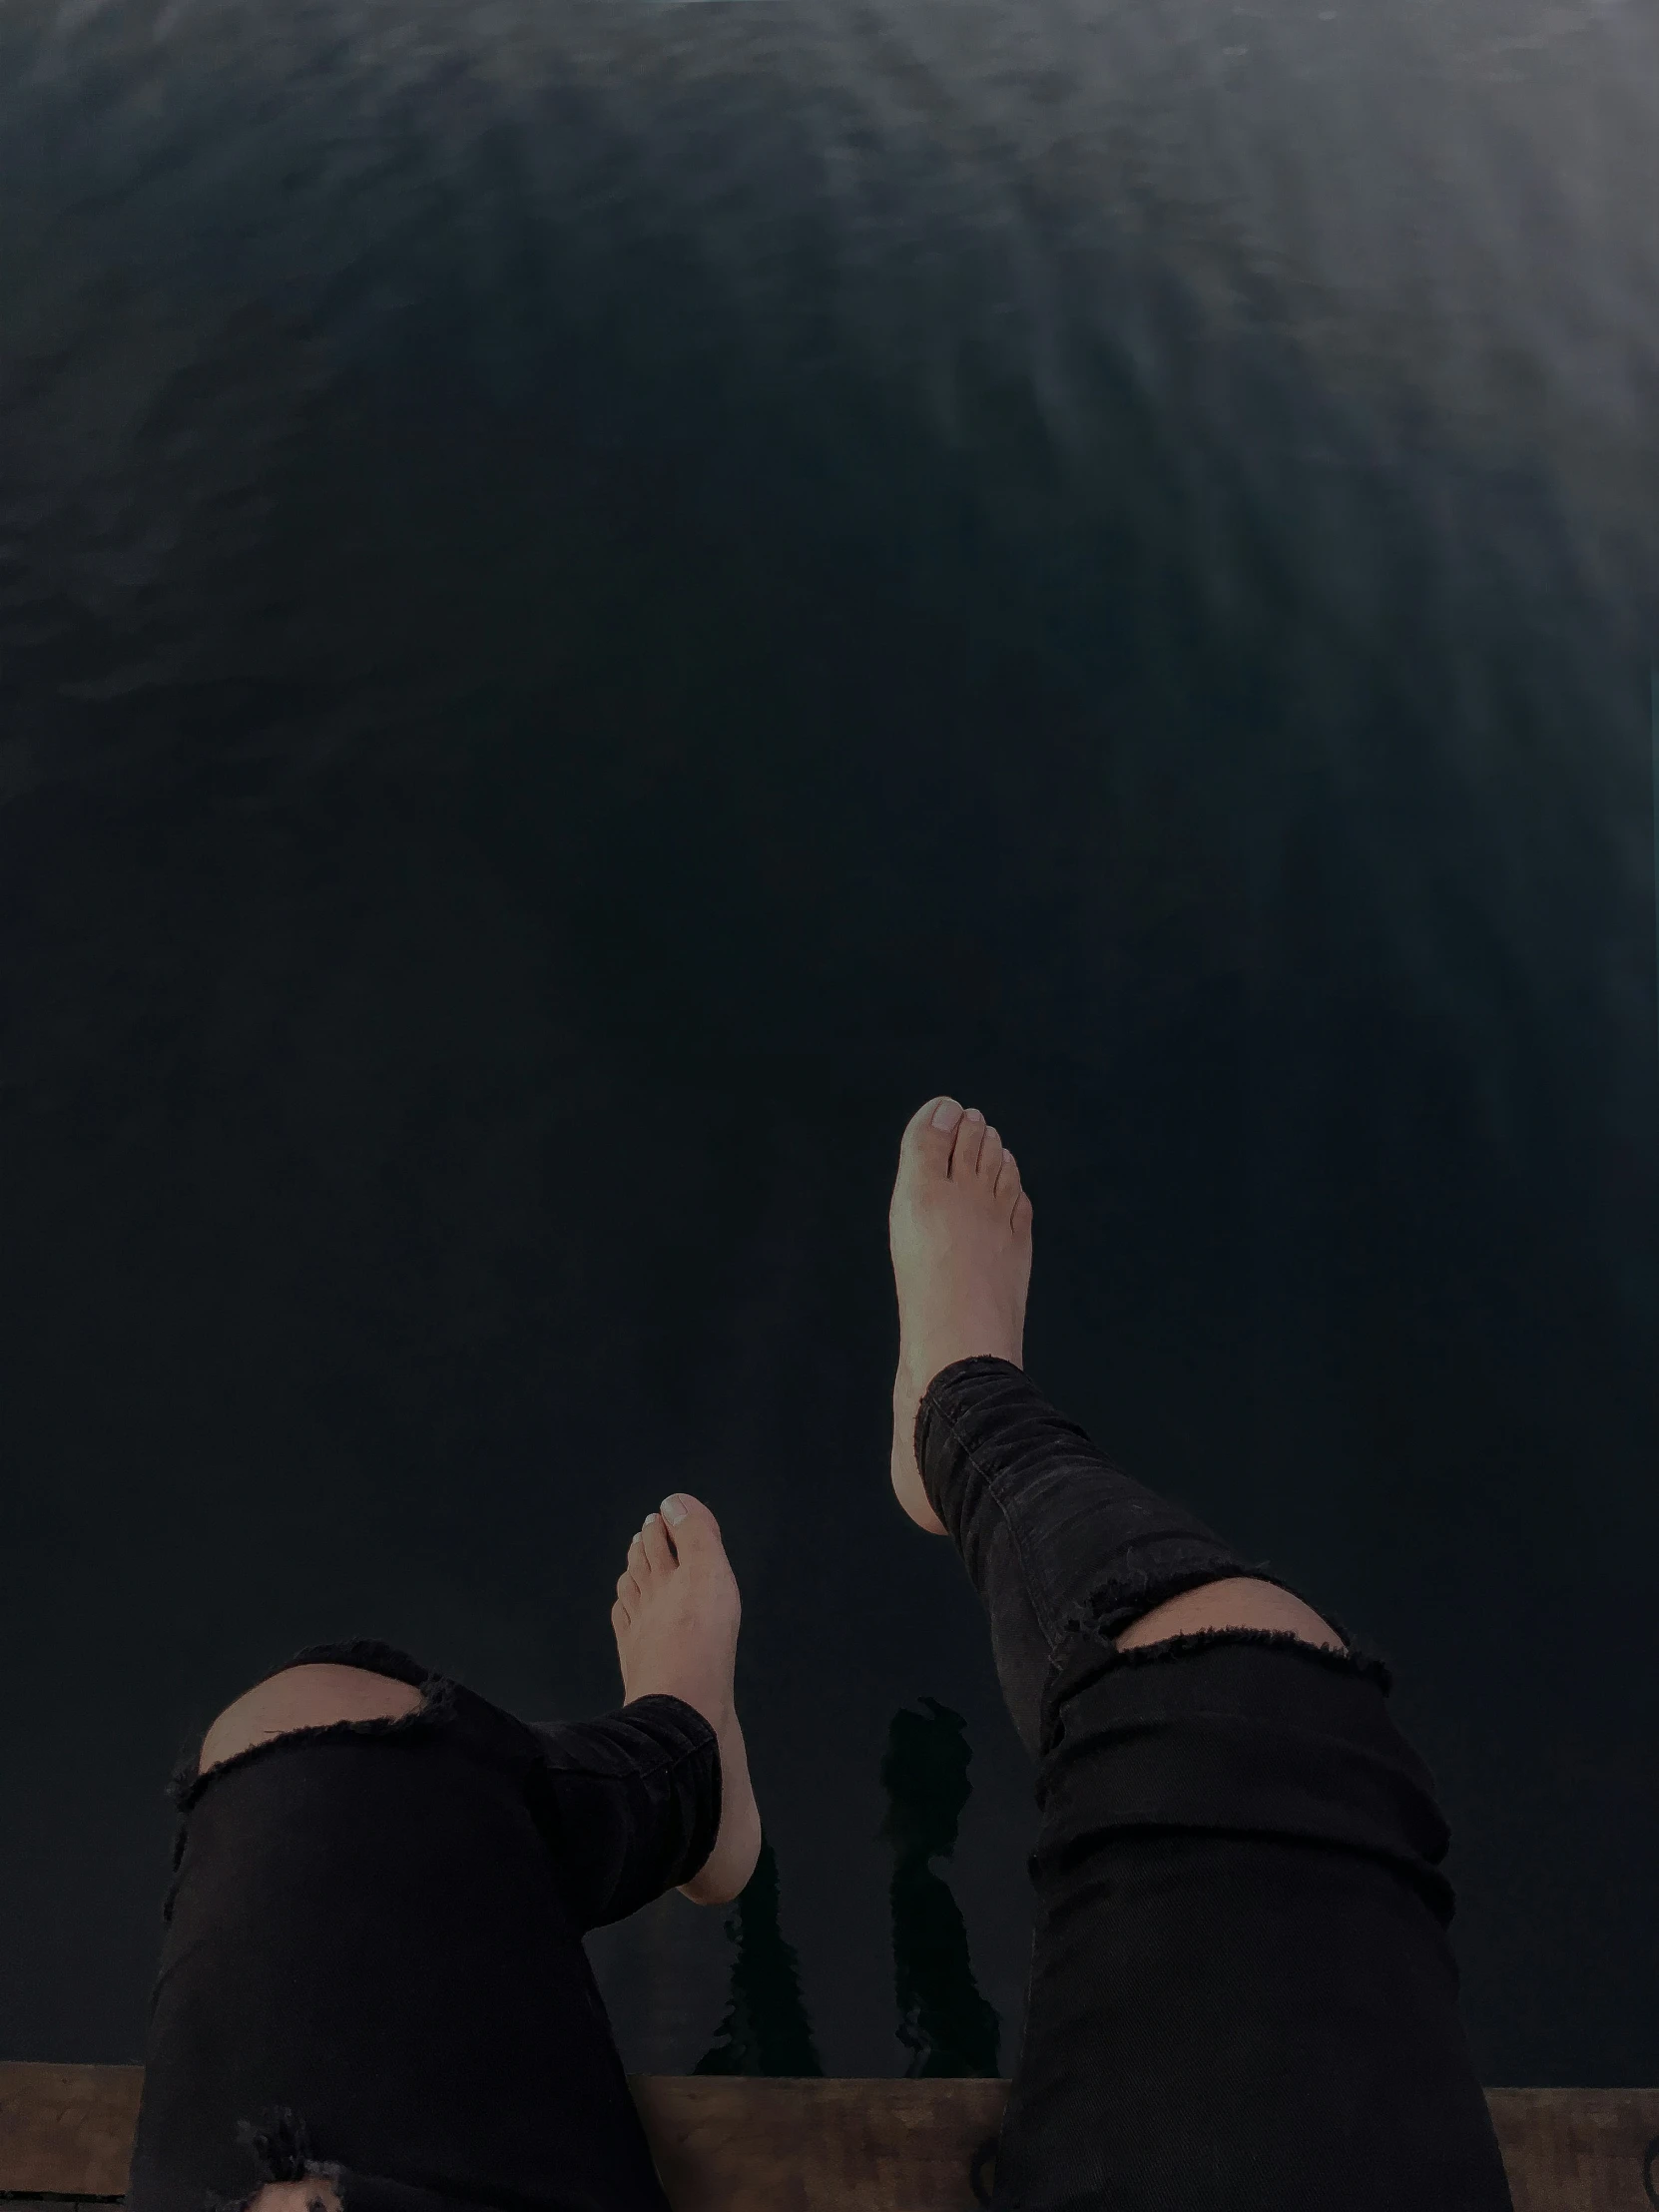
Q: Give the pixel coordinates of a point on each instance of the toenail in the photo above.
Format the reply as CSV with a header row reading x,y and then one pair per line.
x,y
946,1114
674,1512
973,1114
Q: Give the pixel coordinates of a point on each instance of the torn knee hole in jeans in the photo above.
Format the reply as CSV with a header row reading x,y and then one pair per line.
x,y
1092,1655
188,1780
317,2194
292,2180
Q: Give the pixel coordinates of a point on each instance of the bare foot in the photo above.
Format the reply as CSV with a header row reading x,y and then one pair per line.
x,y
675,1620
960,1230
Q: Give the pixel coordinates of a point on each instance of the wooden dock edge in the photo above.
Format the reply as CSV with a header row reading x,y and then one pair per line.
x,y
746,2145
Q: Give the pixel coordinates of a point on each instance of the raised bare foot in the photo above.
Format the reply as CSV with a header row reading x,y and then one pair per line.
x,y
960,1230
675,1620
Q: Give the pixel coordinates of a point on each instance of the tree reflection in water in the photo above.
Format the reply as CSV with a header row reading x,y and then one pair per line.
x,y
765,2030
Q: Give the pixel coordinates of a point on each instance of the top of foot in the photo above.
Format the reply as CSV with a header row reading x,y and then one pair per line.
x,y
960,1231
675,1620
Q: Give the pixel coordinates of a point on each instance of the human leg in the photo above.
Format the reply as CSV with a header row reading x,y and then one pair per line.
x,y
373,1992
370,1981
1050,1532
1241,1997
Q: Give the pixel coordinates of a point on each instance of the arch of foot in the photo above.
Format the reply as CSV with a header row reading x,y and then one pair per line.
x,y
308,1696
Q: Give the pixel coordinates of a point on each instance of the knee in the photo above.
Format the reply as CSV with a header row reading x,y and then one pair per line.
x,y
304,1697
1239,1601
318,2195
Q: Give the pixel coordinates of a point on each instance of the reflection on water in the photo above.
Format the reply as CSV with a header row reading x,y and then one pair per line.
x,y
765,2030
943,2022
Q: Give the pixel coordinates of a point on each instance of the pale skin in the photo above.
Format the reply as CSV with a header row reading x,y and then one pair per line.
x,y
959,1228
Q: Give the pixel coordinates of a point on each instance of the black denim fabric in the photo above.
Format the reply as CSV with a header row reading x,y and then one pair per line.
x,y
372,1969
1243,1998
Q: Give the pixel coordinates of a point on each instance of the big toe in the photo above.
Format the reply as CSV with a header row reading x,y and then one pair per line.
x,y
925,1149
694,1529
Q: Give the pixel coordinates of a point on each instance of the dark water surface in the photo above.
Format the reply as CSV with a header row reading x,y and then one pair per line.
x,y
597,598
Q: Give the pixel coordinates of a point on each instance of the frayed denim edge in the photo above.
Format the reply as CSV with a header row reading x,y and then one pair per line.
x,y
281,2149
187,1784
1352,1661
1067,1675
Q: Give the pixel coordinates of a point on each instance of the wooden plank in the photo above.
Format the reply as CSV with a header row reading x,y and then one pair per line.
x,y
1579,2151
809,2146
837,2146
67,2130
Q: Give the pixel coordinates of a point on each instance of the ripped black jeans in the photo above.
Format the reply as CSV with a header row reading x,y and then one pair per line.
x,y
1242,1994
372,1969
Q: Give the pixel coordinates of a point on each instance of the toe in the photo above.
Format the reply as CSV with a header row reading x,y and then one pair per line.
x,y
970,1134
639,1566
1022,1214
627,1590
925,1146
653,1541
990,1158
1007,1180
690,1527
620,1618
